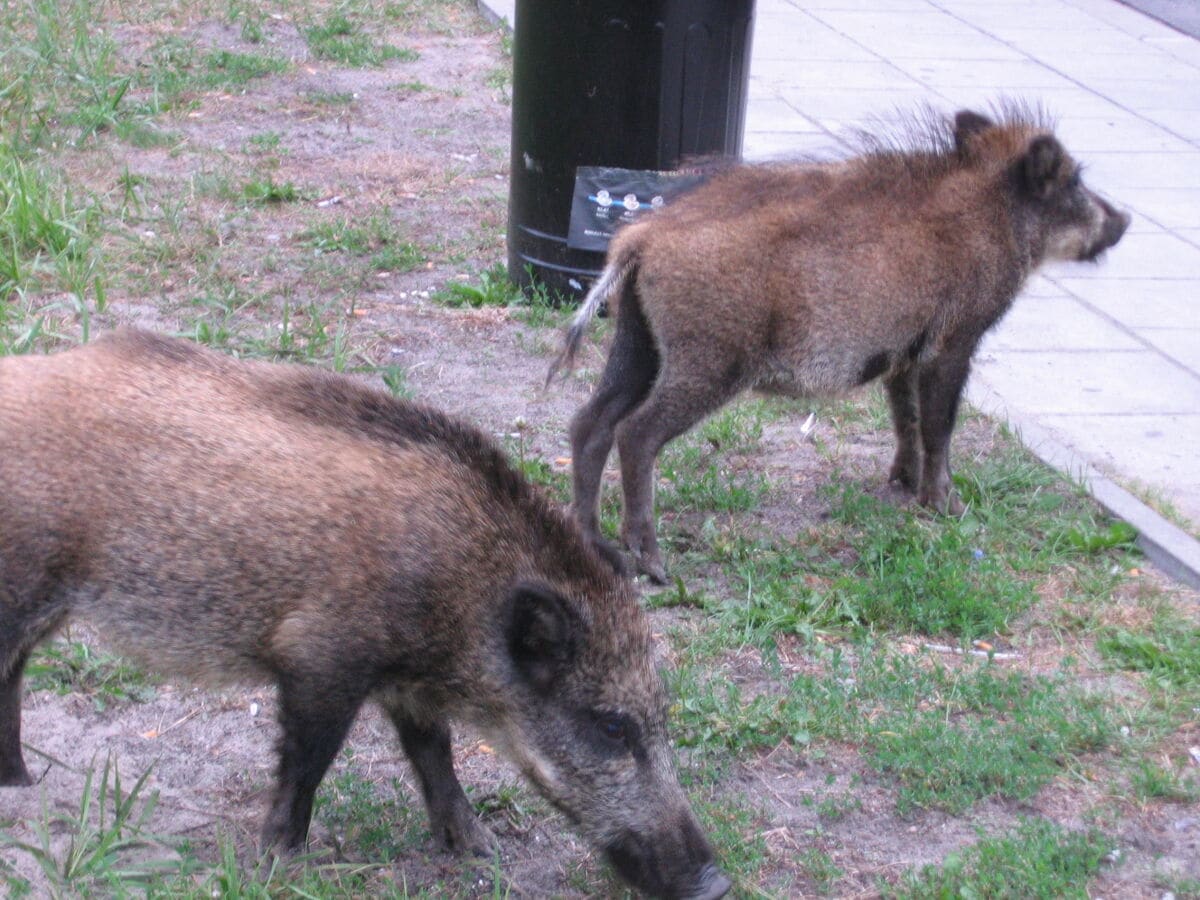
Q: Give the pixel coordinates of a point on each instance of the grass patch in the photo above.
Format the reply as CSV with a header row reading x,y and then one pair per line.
x,y
912,573
1169,652
340,40
1150,781
264,142
1038,859
225,70
262,191
47,243
106,839
879,566
395,379
493,287
376,237
411,87
329,98
820,868
72,667
699,474
176,70
945,737
735,830
60,73
267,877
369,823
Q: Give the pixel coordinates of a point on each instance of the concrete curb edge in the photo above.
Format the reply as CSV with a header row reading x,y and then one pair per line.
x,y
1169,547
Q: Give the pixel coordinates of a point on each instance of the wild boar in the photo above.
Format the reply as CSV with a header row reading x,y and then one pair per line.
x,y
225,520
811,279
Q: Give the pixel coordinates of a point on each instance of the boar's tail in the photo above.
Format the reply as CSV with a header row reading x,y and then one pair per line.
x,y
610,284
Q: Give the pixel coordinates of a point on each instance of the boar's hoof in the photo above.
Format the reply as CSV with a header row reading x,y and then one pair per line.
x,y
712,885
464,835
281,841
904,474
15,776
611,554
945,502
652,567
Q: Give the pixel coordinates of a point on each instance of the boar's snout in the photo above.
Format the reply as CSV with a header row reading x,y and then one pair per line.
x,y
677,864
1112,228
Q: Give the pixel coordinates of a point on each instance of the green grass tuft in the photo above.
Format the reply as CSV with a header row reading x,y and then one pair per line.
x,y
106,839
1037,860
73,667
368,822
946,738
1169,652
377,237
267,190
342,41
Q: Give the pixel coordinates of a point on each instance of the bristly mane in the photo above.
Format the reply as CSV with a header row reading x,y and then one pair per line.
x,y
911,150
921,143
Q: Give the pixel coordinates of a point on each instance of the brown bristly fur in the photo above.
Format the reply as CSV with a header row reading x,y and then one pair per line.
x,y
226,520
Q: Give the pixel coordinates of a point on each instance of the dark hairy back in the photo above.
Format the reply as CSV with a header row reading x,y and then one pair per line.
x,y
348,407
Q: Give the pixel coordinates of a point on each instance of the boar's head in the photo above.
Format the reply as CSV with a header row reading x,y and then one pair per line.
x,y
585,719
1062,217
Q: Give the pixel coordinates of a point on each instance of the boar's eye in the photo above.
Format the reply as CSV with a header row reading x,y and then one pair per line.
x,y
616,731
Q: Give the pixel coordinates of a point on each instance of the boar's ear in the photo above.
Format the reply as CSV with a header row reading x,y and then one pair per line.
x,y
542,633
968,125
1042,166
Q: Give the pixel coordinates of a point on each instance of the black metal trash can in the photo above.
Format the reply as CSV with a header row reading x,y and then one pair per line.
x,y
634,84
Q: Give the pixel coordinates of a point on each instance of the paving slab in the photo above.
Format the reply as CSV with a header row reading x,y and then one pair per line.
x,y
1180,344
1158,444
1095,382
1183,15
1057,323
1139,303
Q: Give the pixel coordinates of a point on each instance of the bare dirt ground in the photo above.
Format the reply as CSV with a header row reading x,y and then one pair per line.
x,y
434,160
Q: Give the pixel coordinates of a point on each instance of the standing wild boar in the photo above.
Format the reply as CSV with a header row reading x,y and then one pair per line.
x,y
809,280
225,520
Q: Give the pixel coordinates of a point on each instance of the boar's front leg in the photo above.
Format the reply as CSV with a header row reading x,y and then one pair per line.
x,y
315,717
451,819
941,384
906,420
12,767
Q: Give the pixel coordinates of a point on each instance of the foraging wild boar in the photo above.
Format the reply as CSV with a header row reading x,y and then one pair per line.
x,y
809,280
225,520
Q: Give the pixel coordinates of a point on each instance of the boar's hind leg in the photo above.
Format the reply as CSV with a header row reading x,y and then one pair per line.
x,y
631,368
451,819
675,404
12,767
315,719
902,395
941,384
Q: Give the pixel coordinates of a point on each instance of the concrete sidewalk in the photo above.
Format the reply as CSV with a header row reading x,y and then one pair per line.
x,y
1097,367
